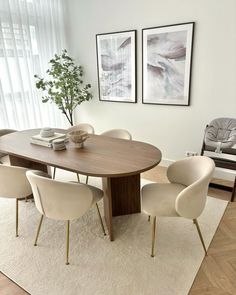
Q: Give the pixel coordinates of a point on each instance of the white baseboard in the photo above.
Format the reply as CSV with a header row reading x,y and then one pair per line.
x,y
219,172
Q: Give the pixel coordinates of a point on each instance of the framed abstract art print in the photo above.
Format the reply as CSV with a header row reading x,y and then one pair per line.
x,y
167,56
116,63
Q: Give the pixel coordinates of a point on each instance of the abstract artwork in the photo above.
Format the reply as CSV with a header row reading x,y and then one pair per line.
x,y
167,54
116,61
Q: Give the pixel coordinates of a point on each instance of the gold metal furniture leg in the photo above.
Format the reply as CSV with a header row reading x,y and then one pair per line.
x,y
78,177
100,218
149,218
17,216
153,236
86,179
38,230
200,235
54,173
67,242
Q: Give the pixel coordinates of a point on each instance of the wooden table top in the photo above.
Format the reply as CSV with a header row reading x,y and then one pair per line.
x,y
101,156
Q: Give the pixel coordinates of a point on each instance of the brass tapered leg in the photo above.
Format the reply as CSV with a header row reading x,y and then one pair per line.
x,y
153,236
17,216
100,218
86,179
200,235
38,230
78,177
149,218
54,173
67,241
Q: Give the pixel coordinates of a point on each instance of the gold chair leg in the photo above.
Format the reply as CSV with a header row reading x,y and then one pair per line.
x,y
200,235
149,218
17,216
78,177
38,230
100,218
86,179
54,173
154,236
67,241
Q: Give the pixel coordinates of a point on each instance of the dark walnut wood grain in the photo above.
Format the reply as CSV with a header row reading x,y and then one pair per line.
x,y
118,161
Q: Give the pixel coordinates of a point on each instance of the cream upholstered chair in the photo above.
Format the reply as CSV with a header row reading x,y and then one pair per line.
x,y
185,195
62,200
84,127
118,133
14,184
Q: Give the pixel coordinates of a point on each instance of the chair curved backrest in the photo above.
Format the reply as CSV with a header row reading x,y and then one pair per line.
x,y
13,182
84,127
195,173
221,131
118,133
59,200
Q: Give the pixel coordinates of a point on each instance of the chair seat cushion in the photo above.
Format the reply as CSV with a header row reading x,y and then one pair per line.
x,y
158,199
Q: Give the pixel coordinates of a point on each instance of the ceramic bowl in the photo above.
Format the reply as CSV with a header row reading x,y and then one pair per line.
x,y
78,137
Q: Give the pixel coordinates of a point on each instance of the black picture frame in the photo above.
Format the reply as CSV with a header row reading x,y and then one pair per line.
x,y
117,66
167,64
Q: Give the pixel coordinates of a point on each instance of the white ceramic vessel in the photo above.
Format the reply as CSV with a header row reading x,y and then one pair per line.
x,y
78,137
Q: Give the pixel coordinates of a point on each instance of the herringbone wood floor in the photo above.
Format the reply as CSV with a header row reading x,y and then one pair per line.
x,y
217,275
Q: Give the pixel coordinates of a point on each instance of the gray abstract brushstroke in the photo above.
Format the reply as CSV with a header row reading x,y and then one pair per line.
x,y
115,79
166,54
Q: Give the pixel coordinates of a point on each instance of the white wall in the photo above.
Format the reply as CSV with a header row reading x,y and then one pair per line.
x,y
174,129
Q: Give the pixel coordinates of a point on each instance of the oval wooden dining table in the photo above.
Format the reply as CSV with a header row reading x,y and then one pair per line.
x,y
119,162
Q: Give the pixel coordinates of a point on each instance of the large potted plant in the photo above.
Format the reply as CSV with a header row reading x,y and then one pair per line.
x,y
64,85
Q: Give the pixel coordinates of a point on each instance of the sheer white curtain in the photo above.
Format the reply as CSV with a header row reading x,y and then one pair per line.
x,y
31,32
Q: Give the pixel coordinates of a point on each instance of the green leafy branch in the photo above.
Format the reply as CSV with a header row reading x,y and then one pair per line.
x,y
64,85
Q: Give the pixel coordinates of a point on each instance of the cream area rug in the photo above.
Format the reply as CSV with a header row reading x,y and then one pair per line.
x,y
98,266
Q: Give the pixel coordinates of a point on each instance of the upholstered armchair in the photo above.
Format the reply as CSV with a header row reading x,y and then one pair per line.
x,y
62,200
184,196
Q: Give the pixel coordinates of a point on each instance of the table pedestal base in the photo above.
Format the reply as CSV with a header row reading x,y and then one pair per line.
x,y
121,197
